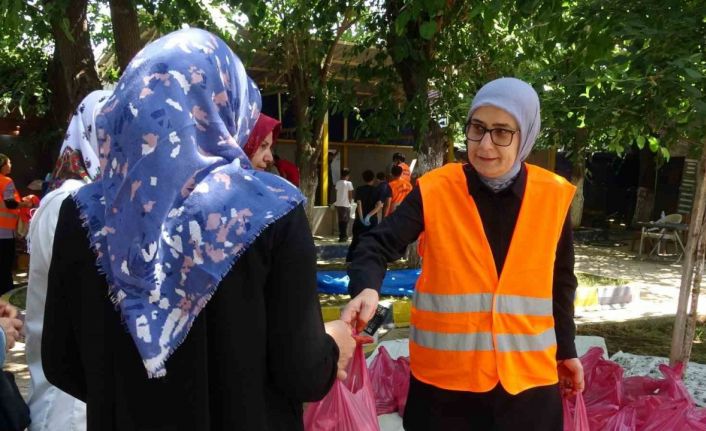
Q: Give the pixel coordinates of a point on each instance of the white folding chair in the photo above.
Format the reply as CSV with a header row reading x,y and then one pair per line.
x,y
663,234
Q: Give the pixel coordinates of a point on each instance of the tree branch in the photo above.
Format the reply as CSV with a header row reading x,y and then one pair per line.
x,y
347,23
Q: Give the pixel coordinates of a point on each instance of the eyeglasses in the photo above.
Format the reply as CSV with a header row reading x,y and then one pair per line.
x,y
499,136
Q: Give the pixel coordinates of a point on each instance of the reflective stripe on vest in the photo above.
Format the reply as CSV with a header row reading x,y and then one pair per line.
x,y
472,328
483,341
477,302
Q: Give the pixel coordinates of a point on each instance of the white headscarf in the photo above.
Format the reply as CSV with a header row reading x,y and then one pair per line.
x,y
78,157
519,99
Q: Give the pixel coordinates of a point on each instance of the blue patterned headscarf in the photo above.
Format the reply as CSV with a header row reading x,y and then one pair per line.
x,y
178,202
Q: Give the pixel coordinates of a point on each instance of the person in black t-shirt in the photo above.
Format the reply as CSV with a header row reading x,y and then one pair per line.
x,y
385,193
369,204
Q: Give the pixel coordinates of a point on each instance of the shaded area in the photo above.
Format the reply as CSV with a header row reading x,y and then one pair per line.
x,y
646,336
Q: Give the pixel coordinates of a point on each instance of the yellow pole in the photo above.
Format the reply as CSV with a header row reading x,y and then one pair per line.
x,y
345,129
279,107
324,164
343,160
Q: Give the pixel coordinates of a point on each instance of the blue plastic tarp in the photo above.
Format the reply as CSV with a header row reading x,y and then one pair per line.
x,y
399,282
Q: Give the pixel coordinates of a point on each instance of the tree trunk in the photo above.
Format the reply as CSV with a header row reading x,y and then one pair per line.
x,y
430,156
126,31
75,52
644,205
681,344
578,174
690,330
431,150
309,176
58,115
59,108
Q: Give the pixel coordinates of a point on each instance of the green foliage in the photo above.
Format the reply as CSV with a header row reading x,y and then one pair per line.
x,y
440,67
23,81
628,73
614,74
25,52
299,37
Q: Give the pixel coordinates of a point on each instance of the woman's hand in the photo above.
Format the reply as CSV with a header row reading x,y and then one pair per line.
x,y
11,327
342,335
7,310
361,309
570,376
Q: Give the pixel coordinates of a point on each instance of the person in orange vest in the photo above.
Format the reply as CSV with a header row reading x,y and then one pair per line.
x,y
10,204
492,331
400,188
398,160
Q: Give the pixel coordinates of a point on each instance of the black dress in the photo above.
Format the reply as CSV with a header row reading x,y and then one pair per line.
x,y
256,352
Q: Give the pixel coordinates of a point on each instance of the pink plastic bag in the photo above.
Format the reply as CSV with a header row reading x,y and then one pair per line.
x,y
381,372
672,407
658,405
390,381
603,391
625,420
575,416
401,383
349,405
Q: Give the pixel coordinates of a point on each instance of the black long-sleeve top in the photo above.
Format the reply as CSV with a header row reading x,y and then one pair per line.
x,y
498,212
254,354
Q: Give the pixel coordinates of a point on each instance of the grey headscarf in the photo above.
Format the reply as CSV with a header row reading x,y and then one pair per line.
x,y
520,100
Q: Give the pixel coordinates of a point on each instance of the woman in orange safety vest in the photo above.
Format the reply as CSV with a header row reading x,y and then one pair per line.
x,y
492,333
10,203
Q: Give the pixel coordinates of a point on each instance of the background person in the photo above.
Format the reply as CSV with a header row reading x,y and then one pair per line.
x,y
10,204
287,170
344,198
77,165
398,159
260,142
384,193
368,205
399,187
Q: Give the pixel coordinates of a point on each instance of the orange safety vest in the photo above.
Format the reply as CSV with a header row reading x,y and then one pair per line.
x,y
469,328
400,189
406,174
8,217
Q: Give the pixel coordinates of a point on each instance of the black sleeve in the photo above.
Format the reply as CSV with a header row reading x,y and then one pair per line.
x,y
61,360
302,358
11,204
385,243
564,292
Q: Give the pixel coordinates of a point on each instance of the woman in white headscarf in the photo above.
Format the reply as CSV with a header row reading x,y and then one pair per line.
x,y
492,332
51,408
